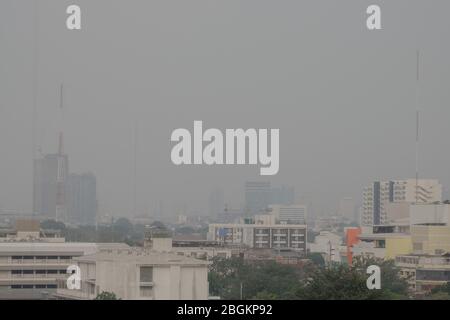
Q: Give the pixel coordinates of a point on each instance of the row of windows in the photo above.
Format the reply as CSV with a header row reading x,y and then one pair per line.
x,y
41,257
38,271
33,286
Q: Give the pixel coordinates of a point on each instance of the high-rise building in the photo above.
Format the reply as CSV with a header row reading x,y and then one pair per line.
x,y
82,199
380,193
257,196
284,195
49,178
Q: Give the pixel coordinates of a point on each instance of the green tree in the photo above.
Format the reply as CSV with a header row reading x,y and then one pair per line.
x,y
53,225
439,293
317,259
229,278
343,282
123,226
104,295
390,280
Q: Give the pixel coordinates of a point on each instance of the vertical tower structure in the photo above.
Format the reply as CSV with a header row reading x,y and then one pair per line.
x,y
61,208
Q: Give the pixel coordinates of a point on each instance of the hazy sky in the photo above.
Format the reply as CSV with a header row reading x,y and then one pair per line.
x,y
343,97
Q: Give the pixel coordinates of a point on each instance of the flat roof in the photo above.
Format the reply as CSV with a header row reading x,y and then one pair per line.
x,y
141,257
8,248
378,236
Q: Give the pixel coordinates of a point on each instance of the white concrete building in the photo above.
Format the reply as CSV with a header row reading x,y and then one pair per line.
x,y
30,269
264,236
429,213
377,195
140,275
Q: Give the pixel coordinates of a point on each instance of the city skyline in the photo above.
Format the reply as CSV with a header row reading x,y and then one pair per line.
x,y
335,136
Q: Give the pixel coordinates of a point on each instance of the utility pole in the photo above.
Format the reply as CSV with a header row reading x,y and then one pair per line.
x,y
242,289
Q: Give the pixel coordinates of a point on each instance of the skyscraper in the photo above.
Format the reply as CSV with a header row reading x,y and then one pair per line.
x,y
257,196
49,178
284,195
82,199
379,193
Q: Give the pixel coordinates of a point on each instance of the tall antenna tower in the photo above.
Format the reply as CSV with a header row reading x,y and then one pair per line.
x,y
135,147
61,171
34,102
35,76
417,120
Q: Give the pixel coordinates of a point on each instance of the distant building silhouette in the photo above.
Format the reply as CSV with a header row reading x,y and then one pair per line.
x,y
45,185
82,197
259,195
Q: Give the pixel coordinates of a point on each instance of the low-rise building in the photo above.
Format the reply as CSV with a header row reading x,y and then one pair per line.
x,y
424,272
140,274
384,243
262,236
30,269
33,260
430,238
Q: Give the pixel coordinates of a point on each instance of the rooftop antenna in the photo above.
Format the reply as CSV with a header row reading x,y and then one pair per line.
x,y
35,77
135,169
60,214
35,95
417,120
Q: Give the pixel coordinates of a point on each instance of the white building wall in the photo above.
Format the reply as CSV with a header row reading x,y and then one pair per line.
x,y
429,213
161,280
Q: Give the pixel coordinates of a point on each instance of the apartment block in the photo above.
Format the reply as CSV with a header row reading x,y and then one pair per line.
x,y
379,194
30,269
424,272
262,236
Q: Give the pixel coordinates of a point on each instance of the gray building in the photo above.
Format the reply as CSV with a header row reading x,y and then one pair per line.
x,y
45,184
82,199
257,196
283,195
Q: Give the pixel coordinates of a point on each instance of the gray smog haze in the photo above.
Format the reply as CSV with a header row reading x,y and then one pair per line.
x,y
343,97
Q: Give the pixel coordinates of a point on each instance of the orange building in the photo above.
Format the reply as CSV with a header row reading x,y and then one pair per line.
x,y
352,237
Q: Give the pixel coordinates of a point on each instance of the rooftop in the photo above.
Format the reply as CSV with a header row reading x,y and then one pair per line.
x,y
143,257
21,247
